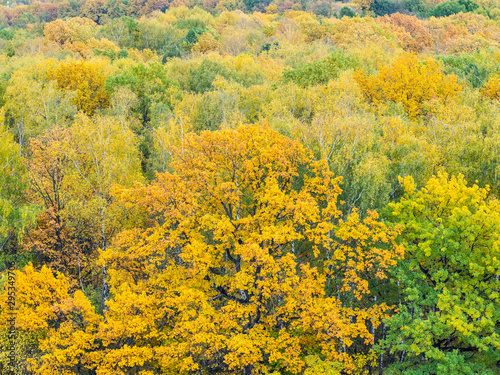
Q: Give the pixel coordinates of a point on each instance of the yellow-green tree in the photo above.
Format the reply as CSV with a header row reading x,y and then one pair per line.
x,y
16,214
449,311
100,153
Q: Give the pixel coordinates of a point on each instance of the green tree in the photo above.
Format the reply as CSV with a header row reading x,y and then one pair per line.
x,y
453,7
347,12
149,82
320,71
16,214
200,78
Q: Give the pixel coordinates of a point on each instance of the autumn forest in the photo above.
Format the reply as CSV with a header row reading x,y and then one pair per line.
x,y
249,187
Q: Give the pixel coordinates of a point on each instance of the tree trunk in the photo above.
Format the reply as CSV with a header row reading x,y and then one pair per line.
x,y
104,295
248,370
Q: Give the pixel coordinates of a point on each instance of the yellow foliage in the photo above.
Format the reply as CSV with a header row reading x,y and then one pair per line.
x,y
409,82
272,9
103,44
87,79
363,4
222,262
361,31
491,88
44,306
368,234
73,30
206,43
144,55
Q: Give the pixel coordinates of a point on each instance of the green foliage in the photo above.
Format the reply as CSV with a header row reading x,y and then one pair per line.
x,y
419,7
269,46
469,5
122,54
213,109
251,4
110,54
383,7
200,78
9,50
449,320
6,34
347,12
122,31
193,34
320,71
322,8
16,215
446,9
190,23
148,81
70,9
131,24
171,51
25,19
468,67
452,362
157,36
452,7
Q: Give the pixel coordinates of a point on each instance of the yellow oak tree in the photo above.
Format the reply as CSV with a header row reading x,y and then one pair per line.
x,y
231,274
75,29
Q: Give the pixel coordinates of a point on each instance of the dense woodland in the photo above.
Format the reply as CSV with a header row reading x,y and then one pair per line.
x,y
227,187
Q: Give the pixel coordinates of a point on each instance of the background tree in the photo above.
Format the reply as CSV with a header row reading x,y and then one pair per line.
x,y
101,153
87,79
16,215
410,83
59,240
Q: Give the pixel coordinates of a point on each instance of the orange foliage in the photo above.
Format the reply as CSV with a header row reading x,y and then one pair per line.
x,y
411,31
54,242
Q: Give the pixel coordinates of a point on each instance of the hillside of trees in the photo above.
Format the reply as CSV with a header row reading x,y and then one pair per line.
x,y
227,187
